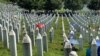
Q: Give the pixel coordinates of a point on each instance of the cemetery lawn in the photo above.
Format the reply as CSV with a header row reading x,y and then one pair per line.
x,y
54,49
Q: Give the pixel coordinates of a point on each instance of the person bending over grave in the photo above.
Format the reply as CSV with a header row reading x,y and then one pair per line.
x,y
73,53
74,48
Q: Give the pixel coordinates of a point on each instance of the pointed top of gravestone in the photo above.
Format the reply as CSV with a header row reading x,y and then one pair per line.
x,y
97,37
37,28
12,32
93,41
93,30
52,28
83,29
26,39
45,34
67,45
80,36
91,34
72,32
88,17
86,31
39,36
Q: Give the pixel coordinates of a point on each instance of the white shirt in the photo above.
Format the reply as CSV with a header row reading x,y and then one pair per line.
x,y
73,53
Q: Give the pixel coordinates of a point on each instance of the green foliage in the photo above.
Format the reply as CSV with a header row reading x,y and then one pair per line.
x,y
31,4
85,1
73,4
94,5
14,1
38,4
26,4
52,4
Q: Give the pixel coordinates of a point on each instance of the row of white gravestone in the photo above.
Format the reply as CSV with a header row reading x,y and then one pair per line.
x,y
56,22
66,43
63,27
93,44
80,38
8,25
16,34
41,39
27,44
83,30
91,39
87,21
86,30
70,24
46,22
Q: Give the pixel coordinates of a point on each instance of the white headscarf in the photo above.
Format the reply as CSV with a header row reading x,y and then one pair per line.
x,y
73,53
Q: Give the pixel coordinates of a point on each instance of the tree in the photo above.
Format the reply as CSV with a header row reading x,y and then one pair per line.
x,y
38,4
73,4
52,5
94,5
14,1
85,1
26,4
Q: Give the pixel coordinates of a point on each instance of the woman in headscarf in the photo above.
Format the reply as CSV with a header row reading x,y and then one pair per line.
x,y
73,53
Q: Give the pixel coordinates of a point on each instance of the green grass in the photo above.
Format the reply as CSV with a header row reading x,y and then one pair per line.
x,y
55,48
3,51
